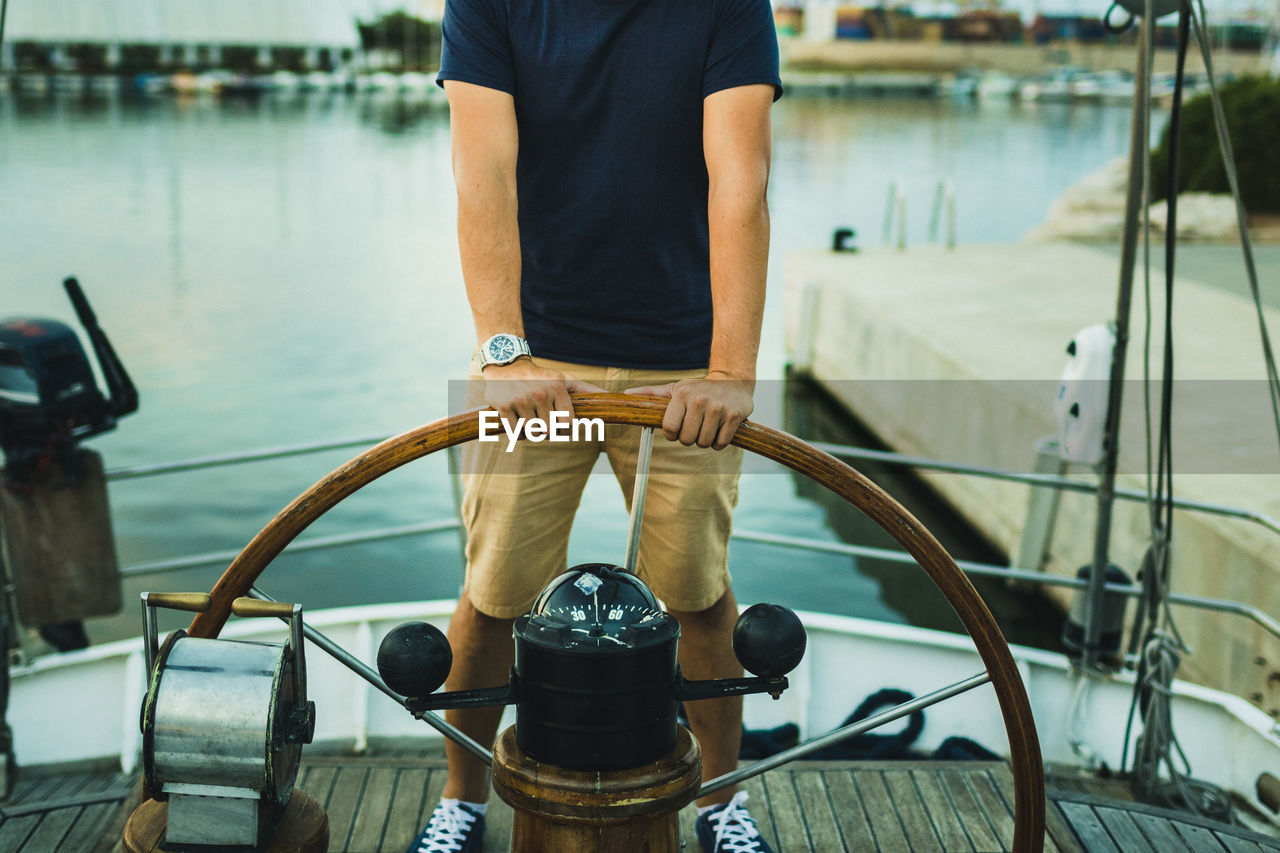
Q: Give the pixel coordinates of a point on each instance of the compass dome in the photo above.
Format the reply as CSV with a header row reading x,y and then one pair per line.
x,y
598,606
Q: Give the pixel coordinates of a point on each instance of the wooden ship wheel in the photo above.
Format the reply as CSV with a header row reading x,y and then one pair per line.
x,y
567,808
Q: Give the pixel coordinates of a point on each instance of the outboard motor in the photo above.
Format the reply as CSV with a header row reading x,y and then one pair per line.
x,y
53,504
49,399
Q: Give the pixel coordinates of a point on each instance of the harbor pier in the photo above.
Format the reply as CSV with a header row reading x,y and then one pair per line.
x,y
957,354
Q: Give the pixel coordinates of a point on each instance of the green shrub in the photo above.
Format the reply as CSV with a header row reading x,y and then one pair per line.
x,y
1252,106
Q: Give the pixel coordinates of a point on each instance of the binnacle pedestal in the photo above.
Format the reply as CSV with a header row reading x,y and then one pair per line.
x,y
585,811
595,761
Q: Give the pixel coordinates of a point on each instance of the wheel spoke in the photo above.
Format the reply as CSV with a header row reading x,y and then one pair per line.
x,y
369,674
843,733
638,491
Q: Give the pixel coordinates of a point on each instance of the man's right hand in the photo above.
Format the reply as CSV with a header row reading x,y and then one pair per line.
x,y
522,389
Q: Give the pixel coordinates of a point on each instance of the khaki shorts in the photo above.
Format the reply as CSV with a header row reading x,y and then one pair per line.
x,y
519,506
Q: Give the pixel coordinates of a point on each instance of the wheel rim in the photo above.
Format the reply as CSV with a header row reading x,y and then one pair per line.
x,y
843,480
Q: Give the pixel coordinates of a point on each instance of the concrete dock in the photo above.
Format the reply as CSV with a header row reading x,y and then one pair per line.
x,y
938,57
957,354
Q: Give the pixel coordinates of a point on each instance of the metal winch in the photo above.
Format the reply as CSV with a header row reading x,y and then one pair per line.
x,y
223,725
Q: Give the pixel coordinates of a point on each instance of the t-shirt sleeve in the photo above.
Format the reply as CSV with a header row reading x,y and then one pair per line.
x,y
743,49
474,45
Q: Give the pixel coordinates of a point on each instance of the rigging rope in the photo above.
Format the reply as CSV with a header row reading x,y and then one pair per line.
x,y
1242,223
1157,746
1157,749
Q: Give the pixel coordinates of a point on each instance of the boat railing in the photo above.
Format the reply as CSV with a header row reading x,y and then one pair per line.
x,y
1015,573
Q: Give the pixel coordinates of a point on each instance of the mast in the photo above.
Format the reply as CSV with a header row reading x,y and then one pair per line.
x,y
1111,435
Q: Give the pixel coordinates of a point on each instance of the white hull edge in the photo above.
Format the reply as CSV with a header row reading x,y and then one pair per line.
x,y
84,705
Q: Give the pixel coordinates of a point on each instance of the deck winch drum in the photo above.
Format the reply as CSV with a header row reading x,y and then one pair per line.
x,y
223,726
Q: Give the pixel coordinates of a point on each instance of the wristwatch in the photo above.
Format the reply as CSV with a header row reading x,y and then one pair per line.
x,y
502,349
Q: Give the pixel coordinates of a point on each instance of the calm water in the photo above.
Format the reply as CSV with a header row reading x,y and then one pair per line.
x,y
285,271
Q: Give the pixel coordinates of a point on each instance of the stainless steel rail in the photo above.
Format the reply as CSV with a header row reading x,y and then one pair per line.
x,y
639,489
213,558
1066,484
986,570
843,733
840,451
371,675
795,542
133,472
1259,617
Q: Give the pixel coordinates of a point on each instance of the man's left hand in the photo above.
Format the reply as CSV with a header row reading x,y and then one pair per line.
x,y
706,411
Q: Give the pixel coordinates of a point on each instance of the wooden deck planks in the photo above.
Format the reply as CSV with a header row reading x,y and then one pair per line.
x,y
1105,824
88,829
1199,839
371,818
344,803
405,810
51,830
377,804
1093,835
889,835
1240,845
851,817
784,807
976,824
946,822
815,807
15,831
60,812
1124,831
993,807
1160,833
318,782
911,811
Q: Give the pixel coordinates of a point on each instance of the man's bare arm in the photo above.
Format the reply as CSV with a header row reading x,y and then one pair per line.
x,y
737,144
736,139
485,141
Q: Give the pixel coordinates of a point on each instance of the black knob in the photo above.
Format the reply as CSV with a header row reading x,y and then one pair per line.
x,y
768,640
414,659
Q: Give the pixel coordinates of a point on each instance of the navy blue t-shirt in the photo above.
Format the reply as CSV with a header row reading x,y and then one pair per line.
x,y
611,177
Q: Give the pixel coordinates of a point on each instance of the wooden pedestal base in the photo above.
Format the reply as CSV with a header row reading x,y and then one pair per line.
x,y
584,811
303,828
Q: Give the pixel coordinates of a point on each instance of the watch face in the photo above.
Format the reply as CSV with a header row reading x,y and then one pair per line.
x,y
598,606
502,349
